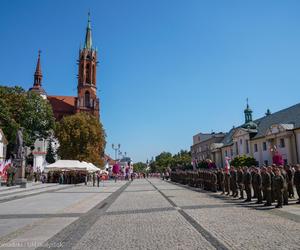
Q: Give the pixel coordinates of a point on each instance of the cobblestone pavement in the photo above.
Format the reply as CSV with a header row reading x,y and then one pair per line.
x,y
143,214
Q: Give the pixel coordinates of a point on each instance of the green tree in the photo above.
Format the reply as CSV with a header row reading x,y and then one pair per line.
x,y
183,158
19,108
163,161
81,137
139,167
243,161
50,156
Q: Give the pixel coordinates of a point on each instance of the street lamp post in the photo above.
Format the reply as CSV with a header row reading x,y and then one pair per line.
x,y
116,148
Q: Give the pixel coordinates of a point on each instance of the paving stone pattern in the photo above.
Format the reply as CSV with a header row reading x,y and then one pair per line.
x,y
143,214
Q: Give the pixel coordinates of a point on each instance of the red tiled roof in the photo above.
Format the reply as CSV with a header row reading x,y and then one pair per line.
x,y
62,105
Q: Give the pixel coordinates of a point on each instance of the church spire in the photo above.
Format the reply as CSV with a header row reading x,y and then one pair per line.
x,y
248,113
37,84
249,123
88,36
38,72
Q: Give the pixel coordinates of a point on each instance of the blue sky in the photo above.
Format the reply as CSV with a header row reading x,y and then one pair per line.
x,y
168,69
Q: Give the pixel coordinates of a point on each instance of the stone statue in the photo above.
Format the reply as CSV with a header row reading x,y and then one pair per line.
x,y
19,144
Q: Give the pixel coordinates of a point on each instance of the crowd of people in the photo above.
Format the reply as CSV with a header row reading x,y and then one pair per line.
x,y
266,183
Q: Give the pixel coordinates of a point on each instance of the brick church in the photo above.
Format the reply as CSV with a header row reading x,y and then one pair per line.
x,y
86,99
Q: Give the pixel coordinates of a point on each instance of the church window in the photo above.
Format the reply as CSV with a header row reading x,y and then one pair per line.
x,y
87,73
87,99
94,73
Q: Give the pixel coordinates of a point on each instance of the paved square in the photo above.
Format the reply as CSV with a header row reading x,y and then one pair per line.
x,y
143,214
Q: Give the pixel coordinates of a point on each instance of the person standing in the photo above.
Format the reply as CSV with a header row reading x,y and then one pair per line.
x,y
290,183
271,171
247,183
278,187
214,182
222,181
94,179
259,186
266,184
240,180
98,179
297,181
254,182
233,181
285,188
227,182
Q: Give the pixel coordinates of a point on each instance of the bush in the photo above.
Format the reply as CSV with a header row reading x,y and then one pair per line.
x,y
243,161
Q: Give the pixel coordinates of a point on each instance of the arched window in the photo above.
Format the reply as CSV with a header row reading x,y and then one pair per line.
x,y
87,99
94,74
87,73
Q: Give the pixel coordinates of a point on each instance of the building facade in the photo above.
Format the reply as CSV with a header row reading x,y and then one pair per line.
x,y
202,145
274,134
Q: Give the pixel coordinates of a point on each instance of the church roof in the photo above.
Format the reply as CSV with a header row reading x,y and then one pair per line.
x,y
62,105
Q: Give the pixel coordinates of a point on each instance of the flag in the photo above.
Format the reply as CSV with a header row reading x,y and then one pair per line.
x,y
4,167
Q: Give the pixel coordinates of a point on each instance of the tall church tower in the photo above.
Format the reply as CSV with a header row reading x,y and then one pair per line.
x,y
87,100
37,83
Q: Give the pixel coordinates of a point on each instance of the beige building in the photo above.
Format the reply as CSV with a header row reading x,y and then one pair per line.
x,y
274,133
203,145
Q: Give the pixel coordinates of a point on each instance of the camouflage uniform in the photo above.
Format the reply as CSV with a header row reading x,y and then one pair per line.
x,y
285,189
233,182
266,184
278,188
297,181
247,183
240,180
258,186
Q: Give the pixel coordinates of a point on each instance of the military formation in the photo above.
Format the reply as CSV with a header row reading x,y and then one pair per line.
x,y
266,184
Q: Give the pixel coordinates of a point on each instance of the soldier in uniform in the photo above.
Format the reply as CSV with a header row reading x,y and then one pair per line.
x,y
278,187
297,181
214,182
222,181
285,189
259,186
271,171
266,185
219,179
247,183
290,184
227,182
254,182
233,182
240,181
